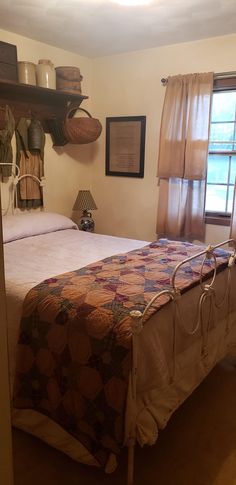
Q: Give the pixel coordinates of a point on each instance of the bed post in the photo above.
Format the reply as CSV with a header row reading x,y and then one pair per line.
x,y
136,325
16,179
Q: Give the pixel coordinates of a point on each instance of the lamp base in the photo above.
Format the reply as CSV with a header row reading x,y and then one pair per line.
x,y
86,222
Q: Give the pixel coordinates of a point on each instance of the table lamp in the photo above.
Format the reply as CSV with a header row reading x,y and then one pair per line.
x,y
85,202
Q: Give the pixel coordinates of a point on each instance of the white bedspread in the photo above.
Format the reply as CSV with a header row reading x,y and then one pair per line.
x,y
30,260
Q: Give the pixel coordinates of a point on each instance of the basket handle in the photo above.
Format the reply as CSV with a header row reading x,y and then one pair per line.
x,y
72,112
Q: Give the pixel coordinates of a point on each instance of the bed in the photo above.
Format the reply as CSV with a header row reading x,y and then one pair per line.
x,y
176,340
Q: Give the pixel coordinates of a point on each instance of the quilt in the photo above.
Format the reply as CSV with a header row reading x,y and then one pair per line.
x,y
75,344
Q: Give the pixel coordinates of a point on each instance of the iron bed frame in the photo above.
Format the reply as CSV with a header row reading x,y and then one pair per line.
x,y
137,317
207,291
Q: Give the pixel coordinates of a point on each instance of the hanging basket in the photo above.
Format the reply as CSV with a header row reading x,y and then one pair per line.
x,y
81,130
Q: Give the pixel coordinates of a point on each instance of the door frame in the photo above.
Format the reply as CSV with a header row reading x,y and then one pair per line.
x,y
6,463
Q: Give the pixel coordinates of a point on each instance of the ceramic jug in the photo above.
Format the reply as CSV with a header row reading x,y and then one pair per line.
x,y
46,74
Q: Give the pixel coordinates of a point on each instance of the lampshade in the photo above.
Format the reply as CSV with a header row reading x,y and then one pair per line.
x,y
84,201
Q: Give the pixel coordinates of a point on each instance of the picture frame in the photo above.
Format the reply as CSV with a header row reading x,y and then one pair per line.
x,y
125,146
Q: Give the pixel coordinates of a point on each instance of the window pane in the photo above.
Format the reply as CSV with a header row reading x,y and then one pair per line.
x,y
216,198
218,166
233,170
222,139
222,132
230,199
223,106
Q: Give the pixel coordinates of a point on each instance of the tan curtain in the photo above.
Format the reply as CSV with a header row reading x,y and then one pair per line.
x,y
183,151
181,209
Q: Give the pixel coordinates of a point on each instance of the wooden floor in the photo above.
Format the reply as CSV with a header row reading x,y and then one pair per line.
x,y
198,446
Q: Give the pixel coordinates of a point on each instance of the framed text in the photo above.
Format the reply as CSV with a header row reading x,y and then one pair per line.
x,y
125,146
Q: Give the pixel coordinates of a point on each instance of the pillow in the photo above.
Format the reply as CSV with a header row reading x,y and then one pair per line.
x,y
19,226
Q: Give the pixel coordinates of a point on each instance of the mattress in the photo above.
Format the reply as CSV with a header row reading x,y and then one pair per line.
x,y
168,368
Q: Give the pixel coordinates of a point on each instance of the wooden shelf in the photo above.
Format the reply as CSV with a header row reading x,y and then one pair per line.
x,y
33,101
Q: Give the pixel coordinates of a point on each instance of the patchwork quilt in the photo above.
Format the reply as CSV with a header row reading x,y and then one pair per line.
x,y
75,344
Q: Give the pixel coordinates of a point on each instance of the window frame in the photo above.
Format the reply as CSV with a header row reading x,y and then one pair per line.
x,y
218,218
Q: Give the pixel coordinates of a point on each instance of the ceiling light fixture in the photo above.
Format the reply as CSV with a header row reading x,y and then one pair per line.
x,y
133,3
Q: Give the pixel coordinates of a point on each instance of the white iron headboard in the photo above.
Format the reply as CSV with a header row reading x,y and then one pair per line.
x,y
16,178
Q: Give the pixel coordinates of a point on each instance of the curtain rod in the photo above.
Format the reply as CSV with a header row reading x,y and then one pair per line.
x,y
218,75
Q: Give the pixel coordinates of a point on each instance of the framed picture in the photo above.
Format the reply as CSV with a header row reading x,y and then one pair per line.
x,y
125,146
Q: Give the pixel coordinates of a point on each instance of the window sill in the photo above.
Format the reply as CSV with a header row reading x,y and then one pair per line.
x,y
217,220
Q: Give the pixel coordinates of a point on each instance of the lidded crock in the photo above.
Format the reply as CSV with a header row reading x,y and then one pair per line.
x,y
46,74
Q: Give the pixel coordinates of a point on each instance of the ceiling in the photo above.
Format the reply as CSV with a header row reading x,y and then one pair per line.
x,y
96,28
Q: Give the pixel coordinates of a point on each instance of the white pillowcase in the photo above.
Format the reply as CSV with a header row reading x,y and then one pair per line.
x,y
19,226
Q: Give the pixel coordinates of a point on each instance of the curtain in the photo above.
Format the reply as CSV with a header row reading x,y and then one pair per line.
x,y
181,208
183,152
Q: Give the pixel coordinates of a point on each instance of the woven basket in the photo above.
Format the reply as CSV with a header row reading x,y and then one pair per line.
x,y
81,130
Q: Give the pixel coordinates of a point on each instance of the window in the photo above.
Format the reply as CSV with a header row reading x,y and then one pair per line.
x,y
222,156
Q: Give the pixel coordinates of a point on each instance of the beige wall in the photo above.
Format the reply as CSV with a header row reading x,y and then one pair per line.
x,y
121,85
130,84
66,169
